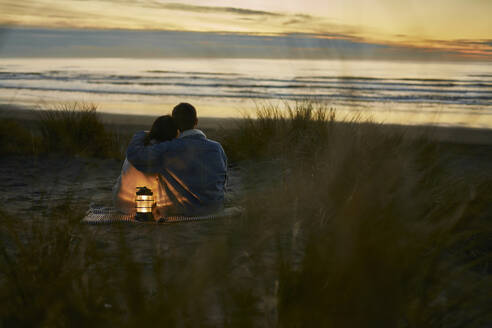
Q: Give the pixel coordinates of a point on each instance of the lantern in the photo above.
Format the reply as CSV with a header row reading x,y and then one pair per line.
x,y
144,203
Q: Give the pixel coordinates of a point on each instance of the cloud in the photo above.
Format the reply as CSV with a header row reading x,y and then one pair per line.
x,y
159,15
32,42
291,22
190,8
466,47
216,9
298,19
307,35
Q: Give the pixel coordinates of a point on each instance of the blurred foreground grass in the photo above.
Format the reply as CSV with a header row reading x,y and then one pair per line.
x,y
345,225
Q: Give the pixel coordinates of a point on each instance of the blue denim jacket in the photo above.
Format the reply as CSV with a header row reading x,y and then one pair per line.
x,y
192,170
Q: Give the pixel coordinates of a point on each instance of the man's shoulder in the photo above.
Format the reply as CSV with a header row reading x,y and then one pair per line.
x,y
215,143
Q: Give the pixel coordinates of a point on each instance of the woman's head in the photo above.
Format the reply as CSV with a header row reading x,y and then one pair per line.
x,y
163,129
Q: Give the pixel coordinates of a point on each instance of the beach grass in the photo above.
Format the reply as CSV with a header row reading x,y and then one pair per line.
x,y
76,129
67,129
16,139
345,225
276,129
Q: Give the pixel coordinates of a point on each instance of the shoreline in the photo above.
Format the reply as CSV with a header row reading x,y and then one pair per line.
x,y
136,122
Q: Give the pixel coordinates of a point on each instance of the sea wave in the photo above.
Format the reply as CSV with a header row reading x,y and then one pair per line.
x,y
352,96
238,79
472,89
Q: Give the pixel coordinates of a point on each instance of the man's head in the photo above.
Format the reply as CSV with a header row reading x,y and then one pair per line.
x,y
184,116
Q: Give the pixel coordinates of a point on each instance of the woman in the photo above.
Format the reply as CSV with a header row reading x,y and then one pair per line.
x,y
163,129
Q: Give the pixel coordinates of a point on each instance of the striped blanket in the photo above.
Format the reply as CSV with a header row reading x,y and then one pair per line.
x,y
109,215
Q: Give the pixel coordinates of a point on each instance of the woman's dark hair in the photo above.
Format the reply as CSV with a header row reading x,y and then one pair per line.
x,y
163,129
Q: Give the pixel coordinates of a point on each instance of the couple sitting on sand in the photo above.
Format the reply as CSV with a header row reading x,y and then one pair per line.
x,y
185,170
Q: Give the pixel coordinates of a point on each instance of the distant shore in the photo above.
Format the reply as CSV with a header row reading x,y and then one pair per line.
x,y
132,123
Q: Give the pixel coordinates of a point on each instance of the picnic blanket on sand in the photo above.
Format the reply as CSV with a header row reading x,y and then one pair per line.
x,y
108,215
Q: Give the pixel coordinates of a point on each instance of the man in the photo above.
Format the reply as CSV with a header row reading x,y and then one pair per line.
x,y
192,169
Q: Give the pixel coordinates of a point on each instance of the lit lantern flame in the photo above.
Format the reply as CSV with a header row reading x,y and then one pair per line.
x,y
144,203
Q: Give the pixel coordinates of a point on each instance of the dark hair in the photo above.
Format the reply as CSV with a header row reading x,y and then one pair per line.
x,y
184,116
163,129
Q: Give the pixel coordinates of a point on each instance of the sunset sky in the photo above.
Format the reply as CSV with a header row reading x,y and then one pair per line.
x,y
404,29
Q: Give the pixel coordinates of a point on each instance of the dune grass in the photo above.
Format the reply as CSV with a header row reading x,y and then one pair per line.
x,y
276,129
68,129
345,225
16,139
76,129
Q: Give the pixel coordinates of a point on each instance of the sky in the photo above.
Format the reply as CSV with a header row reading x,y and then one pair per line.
x,y
385,29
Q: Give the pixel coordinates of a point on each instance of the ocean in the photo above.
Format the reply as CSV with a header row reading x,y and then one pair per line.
x,y
453,94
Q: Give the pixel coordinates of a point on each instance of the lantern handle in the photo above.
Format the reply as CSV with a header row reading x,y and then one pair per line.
x,y
144,191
